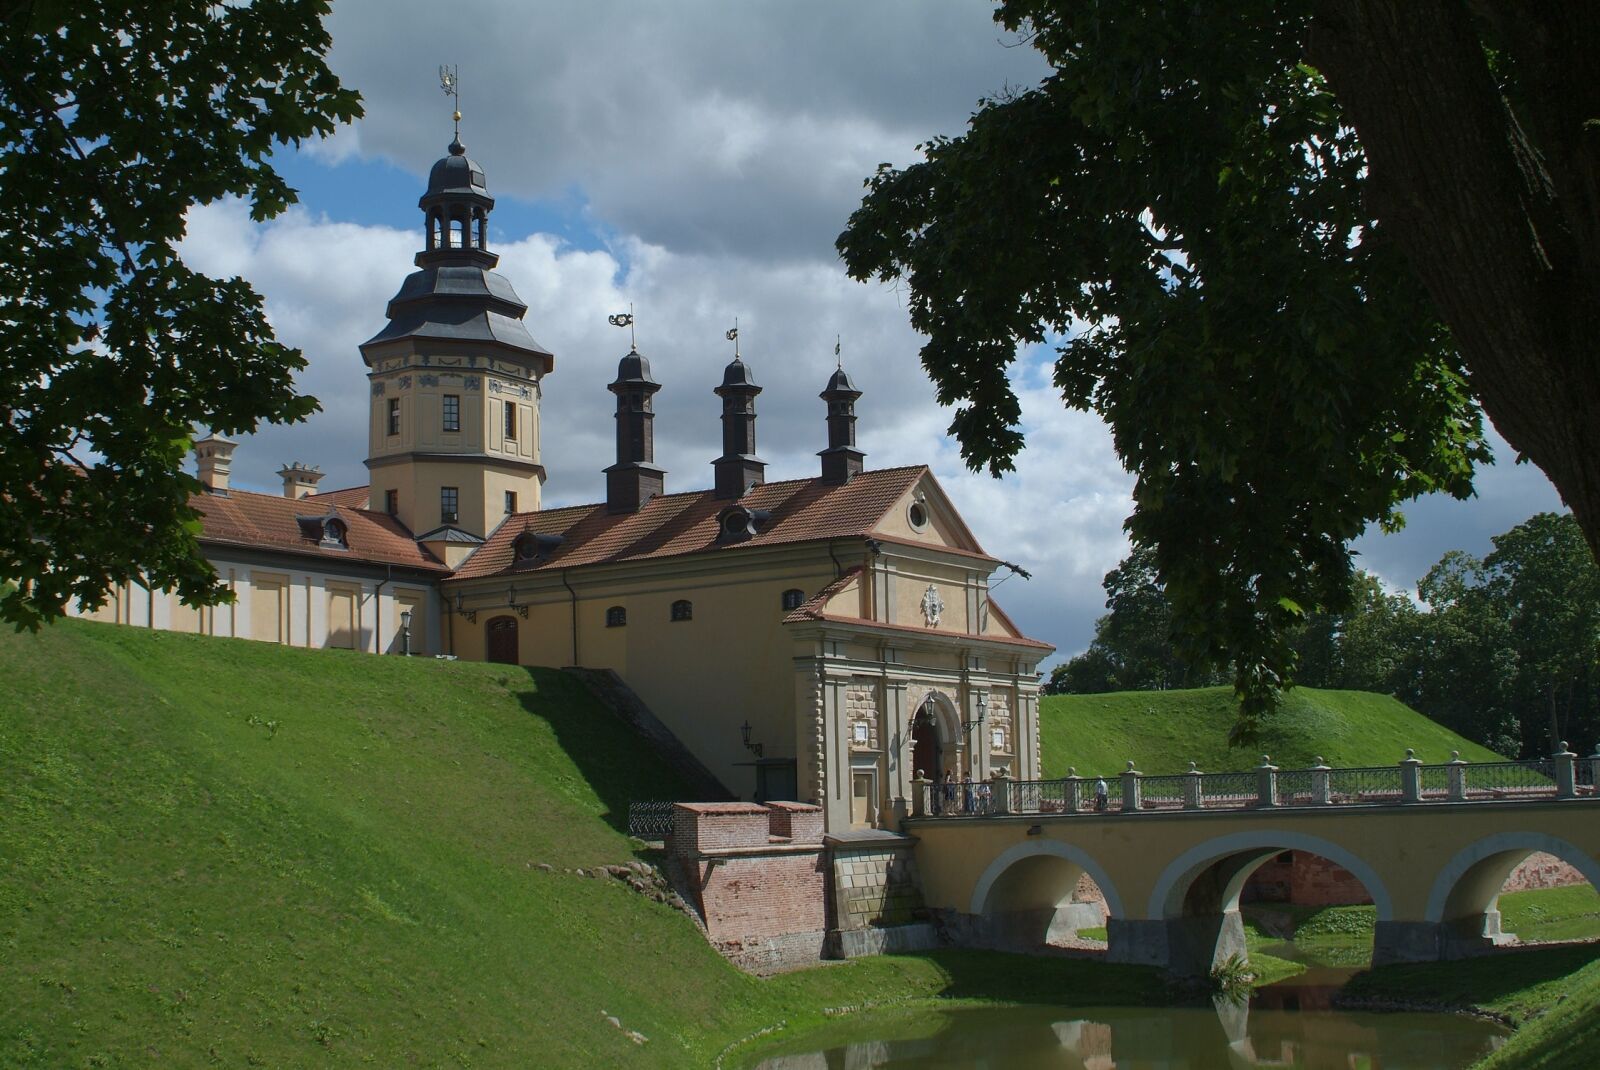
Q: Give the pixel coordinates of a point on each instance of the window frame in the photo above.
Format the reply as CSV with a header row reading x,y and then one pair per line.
x,y
682,610
616,616
510,502
453,496
508,421
450,412
391,502
394,417
795,595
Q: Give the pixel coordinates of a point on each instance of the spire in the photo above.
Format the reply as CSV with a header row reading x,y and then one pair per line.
x,y
738,469
841,461
456,207
635,478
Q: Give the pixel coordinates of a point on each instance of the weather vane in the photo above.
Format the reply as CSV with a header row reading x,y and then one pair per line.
x,y
838,361
733,336
450,82
625,319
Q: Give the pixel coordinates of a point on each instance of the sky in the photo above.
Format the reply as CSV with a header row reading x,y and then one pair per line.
x,y
697,160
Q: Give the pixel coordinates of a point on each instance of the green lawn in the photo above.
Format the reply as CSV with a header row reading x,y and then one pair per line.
x,y
1163,731
224,852
1552,994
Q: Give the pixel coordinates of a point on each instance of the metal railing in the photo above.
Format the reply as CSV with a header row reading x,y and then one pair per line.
x,y
1410,781
651,819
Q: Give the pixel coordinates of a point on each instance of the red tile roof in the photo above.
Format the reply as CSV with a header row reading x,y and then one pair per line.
x,y
267,521
802,510
349,497
812,608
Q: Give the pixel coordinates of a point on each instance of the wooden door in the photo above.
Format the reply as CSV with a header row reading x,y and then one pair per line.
x,y
502,640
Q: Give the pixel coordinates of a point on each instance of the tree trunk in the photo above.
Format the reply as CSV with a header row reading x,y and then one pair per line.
x,y
1497,207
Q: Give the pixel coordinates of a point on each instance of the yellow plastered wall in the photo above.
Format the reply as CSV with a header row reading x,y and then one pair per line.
x,y
910,583
344,615
269,607
940,527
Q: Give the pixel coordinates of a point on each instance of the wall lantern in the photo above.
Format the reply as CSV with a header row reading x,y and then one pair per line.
x,y
462,610
511,601
744,733
405,632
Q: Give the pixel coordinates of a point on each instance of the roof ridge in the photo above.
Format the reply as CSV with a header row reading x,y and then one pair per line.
x,y
711,490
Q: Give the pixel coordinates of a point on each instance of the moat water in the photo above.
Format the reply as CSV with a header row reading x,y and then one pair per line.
x,y
1290,1024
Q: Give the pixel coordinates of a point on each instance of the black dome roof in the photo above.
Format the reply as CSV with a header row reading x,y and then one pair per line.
x,y
633,368
456,173
737,374
840,384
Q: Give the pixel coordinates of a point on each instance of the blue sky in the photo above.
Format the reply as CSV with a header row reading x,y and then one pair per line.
x,y
698,160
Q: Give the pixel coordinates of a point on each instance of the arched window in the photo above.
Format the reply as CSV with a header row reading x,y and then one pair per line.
x,y
683,609
483,229
336,534
793,599
458,232
616,617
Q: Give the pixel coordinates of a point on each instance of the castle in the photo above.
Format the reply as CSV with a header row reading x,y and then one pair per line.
x,y
820,639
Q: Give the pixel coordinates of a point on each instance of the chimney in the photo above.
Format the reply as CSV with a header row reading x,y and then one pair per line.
x,y
738,469
299,479
635,478
213,459
841,461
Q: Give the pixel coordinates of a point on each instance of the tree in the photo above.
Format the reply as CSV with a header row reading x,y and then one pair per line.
x,y
1285,248
115,118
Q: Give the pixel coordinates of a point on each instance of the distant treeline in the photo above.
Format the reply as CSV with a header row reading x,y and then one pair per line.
x,y
1504,650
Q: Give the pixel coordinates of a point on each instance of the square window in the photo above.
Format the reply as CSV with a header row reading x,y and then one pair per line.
x,y
859,730
511,420
394,416
452,412
449,504
391,502
511,501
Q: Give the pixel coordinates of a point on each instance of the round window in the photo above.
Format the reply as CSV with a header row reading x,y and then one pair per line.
x,y
918,515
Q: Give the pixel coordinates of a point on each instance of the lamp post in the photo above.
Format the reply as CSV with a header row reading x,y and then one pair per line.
x,y
405,632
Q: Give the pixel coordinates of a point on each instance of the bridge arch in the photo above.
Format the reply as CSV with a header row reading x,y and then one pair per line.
x,y
1239,854
1468,887
1075,856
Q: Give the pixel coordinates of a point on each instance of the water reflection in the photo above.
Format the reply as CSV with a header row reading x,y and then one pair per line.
x,y
1181,1038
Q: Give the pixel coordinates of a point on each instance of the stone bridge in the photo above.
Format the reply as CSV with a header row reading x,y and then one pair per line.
x,y
1432,845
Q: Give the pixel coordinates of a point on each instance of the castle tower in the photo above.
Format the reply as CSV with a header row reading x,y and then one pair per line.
x,y
454,420
738,469
635,478
841,461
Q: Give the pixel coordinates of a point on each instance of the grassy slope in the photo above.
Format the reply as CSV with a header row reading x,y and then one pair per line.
x,y
1163,731
1552,993
224,851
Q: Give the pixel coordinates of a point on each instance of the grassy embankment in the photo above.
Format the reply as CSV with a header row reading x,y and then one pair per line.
x,y
1162,732
223,851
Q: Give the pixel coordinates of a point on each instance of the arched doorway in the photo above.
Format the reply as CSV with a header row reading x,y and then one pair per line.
x,y
925,743
501,640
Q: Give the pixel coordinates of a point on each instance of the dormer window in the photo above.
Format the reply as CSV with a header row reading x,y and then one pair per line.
x,y
336,534
737,523
533,548
793,599
327,530
682,609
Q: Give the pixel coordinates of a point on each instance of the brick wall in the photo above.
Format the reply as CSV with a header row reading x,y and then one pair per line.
x,y
1540,870
1311,880
796,822
701,827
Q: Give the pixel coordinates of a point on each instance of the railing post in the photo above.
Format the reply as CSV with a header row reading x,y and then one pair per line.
x,y
1191,788
1458,777
1069,789
1321,785
1566,780
1002,794
1411,777
1594,770
919,797
1266,782
1130,789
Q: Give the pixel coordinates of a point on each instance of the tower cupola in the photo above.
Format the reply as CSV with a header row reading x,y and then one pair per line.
x,y
635,478
738,469
841,461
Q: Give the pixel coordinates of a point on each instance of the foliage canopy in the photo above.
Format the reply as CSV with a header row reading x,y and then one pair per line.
x,y
1228,257
115,118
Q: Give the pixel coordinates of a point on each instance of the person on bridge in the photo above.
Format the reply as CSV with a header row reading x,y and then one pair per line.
x,y
1102,794
949,791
